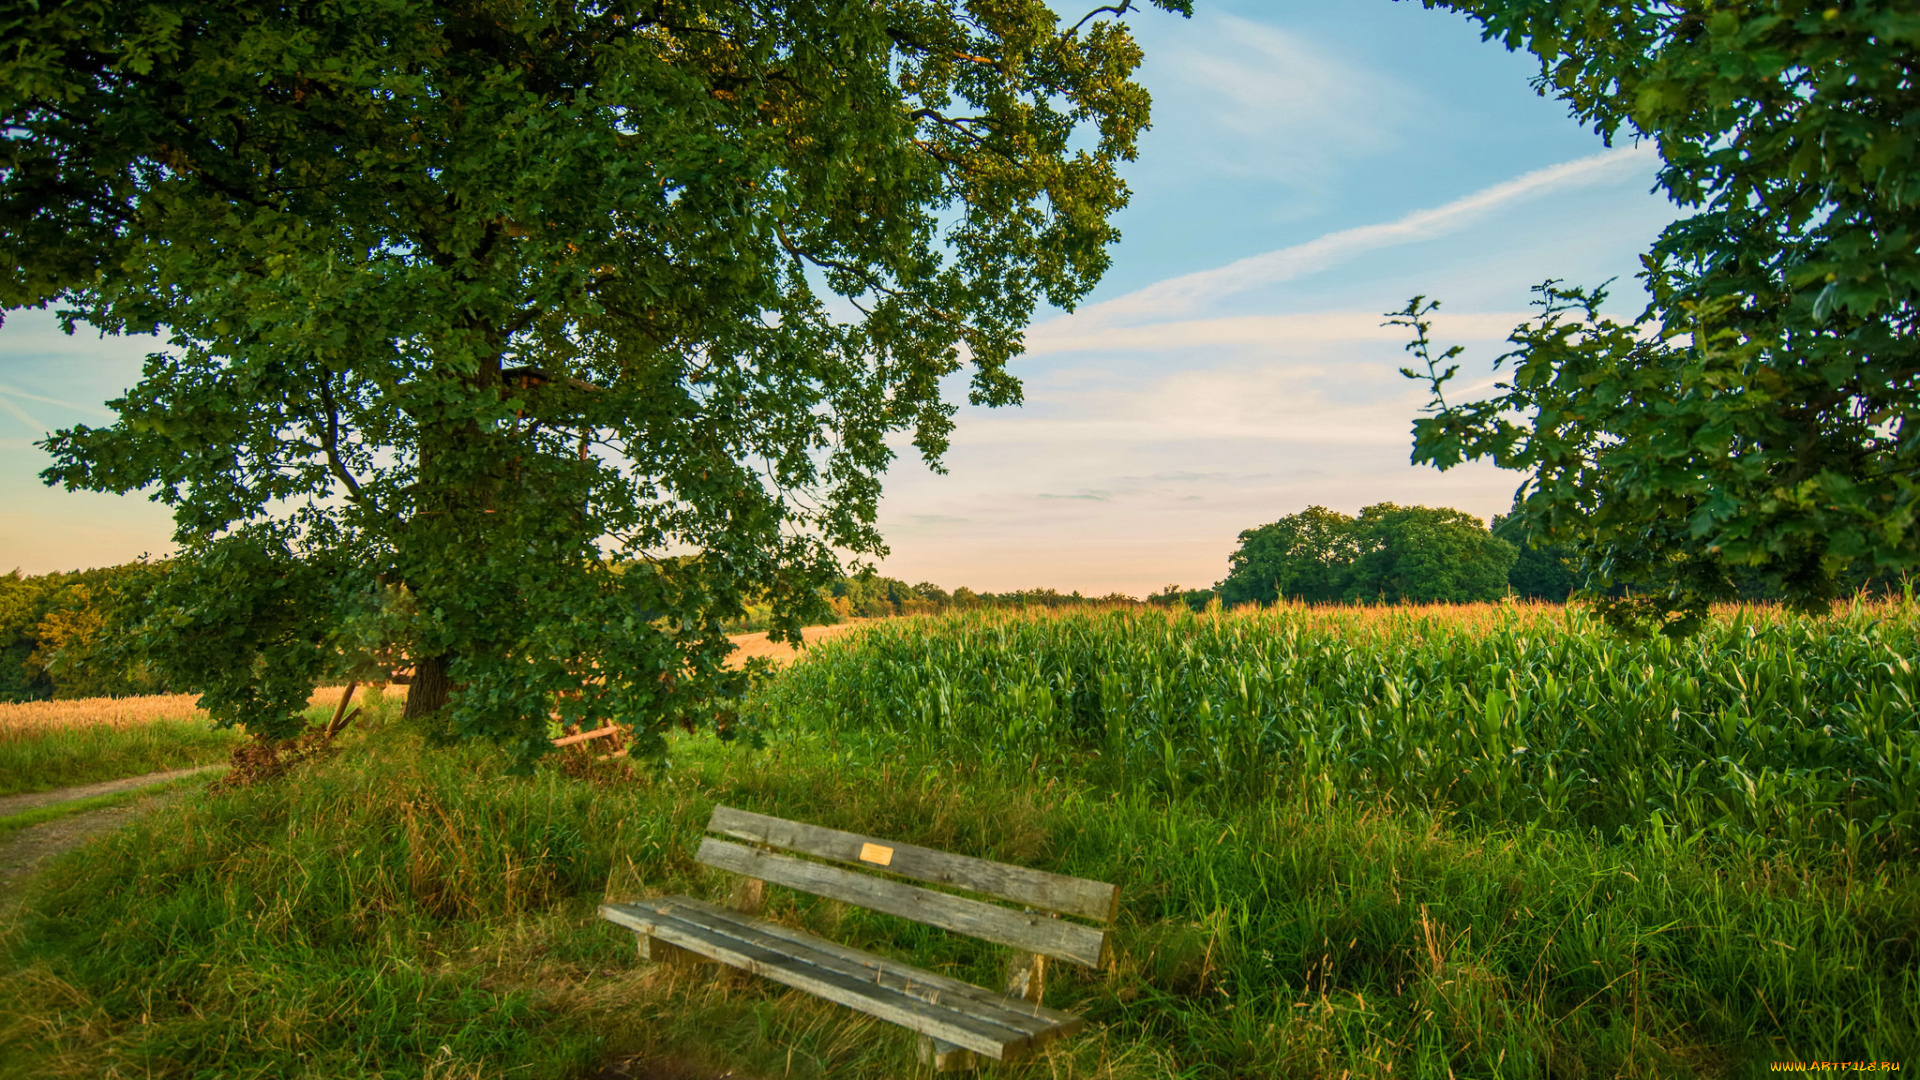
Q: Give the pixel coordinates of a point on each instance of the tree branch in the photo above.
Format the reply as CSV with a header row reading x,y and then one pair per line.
x,y
1122,8
332,440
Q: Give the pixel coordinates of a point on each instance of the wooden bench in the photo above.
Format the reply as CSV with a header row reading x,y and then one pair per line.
x,y
958,1022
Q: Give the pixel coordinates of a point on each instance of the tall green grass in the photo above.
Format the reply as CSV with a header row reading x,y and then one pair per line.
x,y
1291,905
395,912
1768,733
54,757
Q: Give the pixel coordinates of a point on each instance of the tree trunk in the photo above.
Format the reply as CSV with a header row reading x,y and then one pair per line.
x,y
430,688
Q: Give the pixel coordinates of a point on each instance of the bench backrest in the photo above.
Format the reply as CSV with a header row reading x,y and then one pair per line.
x,y
1030,930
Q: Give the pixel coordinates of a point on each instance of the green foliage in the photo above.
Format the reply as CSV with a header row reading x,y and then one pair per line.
x,y
1173,596
405,914
1539,573
1756,423
1389,554
1765,733
461,298
1427,555
247,624
1302,556
65,635
871,596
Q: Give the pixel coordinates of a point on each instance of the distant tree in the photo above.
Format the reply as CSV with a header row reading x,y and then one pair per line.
x,y
1173,596
1758,425
1426,554
1302,556
1388,554
465,297
1539,573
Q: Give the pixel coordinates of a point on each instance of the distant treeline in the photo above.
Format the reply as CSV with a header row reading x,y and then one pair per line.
x,y
1423,554
57,636
872,596
66,635
1386,554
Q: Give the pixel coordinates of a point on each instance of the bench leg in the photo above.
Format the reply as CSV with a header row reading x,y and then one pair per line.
x,y
665,952
946,1057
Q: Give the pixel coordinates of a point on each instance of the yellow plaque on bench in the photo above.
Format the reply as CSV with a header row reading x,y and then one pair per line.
x,y
874,853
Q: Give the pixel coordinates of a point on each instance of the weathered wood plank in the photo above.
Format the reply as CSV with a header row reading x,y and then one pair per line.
x,y
947,1022
1034,888
870,966
569,740
1030,931
1016,1017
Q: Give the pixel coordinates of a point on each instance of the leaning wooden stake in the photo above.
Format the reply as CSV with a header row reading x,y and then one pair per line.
x,y
341,718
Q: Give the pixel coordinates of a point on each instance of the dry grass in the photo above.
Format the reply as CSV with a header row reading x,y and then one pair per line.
x,y
750,646
1410,618
26,719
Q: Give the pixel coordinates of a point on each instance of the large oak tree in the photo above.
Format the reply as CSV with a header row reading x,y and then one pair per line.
x,y
527,338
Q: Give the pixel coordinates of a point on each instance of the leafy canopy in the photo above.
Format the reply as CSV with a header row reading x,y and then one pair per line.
x,y
61,634
525,340
1388,554
1758,420
1302,556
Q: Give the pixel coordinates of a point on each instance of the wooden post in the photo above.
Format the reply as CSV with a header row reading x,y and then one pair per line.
x,y
749,895
1027,976
946,1057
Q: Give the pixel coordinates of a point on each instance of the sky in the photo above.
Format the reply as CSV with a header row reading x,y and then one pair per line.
x,y
1311,167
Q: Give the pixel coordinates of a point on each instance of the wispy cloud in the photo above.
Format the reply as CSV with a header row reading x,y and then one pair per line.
x,y
1182,295
21,415
1261,101
1320,327
97,410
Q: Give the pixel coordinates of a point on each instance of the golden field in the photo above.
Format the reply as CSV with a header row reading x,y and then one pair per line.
x,y
29,717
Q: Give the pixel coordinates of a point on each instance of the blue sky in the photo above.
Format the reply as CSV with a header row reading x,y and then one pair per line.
x,y
1311,166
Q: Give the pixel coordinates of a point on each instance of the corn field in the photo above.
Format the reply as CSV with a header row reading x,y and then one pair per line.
x,y
1766,732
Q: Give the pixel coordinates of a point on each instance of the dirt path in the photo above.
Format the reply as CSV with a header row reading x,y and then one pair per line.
x,y
26,849
14,804
23,851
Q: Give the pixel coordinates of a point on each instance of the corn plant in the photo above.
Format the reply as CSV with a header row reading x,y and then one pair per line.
x,y
1768,731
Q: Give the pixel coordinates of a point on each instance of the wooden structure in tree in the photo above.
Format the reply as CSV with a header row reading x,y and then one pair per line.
x,y
958,1022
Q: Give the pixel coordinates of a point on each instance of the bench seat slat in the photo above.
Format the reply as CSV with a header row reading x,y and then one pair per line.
x,y
1027,1014
1033,888
734,941
988,922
